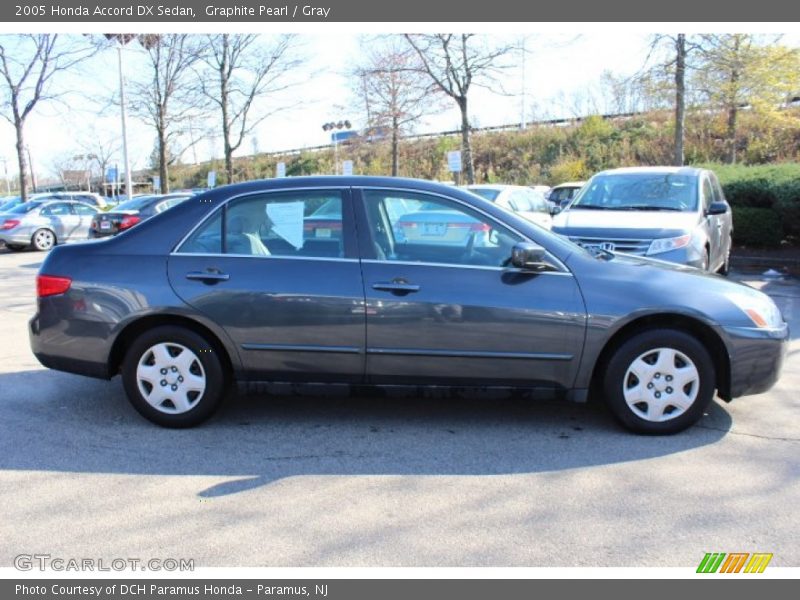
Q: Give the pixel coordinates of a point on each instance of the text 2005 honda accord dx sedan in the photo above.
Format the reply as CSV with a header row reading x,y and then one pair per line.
x,y
395,282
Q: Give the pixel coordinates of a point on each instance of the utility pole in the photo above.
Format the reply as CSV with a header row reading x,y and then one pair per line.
x,y
128,179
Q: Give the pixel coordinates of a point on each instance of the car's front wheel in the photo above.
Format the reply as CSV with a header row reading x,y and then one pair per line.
x,y
173,377
659,381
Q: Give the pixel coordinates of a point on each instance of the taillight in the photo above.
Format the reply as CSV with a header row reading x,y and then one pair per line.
x,y
50,285
128,222
9,224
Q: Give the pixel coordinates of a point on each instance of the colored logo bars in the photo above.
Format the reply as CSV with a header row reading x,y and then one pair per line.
x,y
734,562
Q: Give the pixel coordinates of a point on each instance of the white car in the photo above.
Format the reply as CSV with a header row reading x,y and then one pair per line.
x,y
561,195
524,201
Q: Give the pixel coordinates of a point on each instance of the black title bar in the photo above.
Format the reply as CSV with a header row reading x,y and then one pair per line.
x,y
452,11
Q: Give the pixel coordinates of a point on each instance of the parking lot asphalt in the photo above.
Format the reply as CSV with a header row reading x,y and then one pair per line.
x,y
429,481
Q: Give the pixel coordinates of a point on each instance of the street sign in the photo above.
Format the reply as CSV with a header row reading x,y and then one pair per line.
x,y
454,161
347,167
156,184
280,169
212,179
111,175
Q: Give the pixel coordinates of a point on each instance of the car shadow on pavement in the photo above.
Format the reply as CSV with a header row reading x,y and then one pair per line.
x,y
51,421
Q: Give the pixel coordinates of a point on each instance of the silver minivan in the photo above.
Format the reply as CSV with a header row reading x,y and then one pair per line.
x,y
676,214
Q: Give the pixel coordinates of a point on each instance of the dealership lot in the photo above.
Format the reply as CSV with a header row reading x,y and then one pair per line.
x,y
336,481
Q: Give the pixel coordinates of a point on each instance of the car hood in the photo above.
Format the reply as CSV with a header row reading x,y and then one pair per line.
x,y
633,285
621,220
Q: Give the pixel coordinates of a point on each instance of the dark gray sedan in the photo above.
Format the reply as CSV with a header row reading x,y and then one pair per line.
x,y
232,285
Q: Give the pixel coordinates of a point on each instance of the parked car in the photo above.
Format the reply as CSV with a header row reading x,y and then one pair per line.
x,y
89,198
130,213
677,214
544,190
199,296
7,204
562,194
523,200
45,223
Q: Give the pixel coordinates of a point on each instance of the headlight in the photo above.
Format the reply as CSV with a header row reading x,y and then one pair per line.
x,y
759,308
666,244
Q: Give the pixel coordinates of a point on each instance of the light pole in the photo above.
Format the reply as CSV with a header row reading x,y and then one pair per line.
x,y
5,171
330,126
128,180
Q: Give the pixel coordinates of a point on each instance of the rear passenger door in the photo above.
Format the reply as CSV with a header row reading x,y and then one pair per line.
x,y
284,282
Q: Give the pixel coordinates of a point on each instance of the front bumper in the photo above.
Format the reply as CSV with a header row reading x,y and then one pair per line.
x,y
756,358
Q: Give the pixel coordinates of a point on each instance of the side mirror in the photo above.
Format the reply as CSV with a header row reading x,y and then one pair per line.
x,y
529,256
555,210
717,208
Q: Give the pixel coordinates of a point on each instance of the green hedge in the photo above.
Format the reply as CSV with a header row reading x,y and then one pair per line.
x,y
756,227
773,188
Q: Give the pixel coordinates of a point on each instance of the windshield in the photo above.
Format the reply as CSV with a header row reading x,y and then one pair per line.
x,y
639,191
486,193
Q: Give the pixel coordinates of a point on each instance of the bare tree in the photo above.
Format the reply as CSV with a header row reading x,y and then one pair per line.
x,y
678,49
456,62
29,64
245,72
167,97
394,89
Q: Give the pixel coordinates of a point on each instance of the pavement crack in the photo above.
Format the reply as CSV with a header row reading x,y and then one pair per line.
x,y
754,435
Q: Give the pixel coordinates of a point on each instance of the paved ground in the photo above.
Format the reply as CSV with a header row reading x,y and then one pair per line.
x,y
385,482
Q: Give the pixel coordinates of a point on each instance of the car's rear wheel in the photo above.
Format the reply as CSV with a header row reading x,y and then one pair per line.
x,y
43,240
659,381
173,377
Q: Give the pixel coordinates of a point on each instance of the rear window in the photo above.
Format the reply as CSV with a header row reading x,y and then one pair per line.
x,y
25,208
486,193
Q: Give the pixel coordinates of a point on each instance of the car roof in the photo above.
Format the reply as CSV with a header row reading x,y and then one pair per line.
x,y
326,181
569,184
690,171
498,186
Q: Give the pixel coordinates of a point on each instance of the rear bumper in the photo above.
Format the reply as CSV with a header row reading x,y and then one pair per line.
x,y
21,238
756,357
55,349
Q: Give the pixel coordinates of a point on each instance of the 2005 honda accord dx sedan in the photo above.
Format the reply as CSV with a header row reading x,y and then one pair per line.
x,y
233,286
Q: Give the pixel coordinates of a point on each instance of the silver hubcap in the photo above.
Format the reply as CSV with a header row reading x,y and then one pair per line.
x,y
43,240
171,378
661,384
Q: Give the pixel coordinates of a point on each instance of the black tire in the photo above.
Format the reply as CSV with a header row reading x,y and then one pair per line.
x,y
44,239
726,266
680,349
173,406
706,265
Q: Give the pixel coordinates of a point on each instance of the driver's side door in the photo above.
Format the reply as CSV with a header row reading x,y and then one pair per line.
x,y
443,307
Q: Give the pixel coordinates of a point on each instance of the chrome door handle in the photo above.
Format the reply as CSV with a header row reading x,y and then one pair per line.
x,y
396,287
207,276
